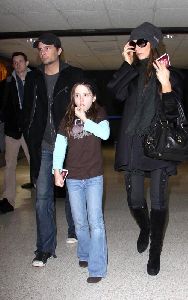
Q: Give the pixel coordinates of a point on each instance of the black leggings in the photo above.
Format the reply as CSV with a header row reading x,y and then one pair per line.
x,y
158,189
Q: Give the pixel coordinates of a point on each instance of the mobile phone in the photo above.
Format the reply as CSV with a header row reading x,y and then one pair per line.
x,y
64,173
164,59
133,45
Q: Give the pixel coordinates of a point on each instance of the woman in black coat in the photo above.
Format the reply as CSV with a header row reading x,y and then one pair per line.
x,y
145,85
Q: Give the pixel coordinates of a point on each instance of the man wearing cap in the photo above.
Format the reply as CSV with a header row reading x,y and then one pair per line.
x,y
48,90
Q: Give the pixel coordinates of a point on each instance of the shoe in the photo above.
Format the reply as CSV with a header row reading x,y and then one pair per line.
x,y
72,238
28,185
94,279
5,206
83,264
40,259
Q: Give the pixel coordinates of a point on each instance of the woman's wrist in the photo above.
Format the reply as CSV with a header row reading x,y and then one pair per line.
x,y
166,88
57,171
84,119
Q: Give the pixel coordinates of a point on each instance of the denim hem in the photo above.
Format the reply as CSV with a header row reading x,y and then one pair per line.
x,y
93,275
52,253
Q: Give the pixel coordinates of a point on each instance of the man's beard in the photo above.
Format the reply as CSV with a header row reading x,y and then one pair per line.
x,y
49,62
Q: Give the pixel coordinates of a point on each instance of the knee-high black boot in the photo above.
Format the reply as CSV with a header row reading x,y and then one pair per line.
x,y
141,215
158,225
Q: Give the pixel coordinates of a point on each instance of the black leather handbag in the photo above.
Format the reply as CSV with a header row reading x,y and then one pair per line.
x,y
167,140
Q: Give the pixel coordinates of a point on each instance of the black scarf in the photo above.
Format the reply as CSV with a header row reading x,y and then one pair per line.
x,y
146,102
20,89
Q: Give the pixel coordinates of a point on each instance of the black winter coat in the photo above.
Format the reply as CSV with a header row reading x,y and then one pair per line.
x,y
12,114
129,151
36,108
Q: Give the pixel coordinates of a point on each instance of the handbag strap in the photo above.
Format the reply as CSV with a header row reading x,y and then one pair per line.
x,y
182,118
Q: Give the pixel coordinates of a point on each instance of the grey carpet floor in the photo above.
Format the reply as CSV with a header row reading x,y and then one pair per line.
x,y
127,278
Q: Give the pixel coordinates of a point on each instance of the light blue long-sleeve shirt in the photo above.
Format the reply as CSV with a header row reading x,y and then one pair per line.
x,y
101,130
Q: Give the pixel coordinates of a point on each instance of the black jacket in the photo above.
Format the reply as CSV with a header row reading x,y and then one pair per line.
x,y
12,114
36,107
129,150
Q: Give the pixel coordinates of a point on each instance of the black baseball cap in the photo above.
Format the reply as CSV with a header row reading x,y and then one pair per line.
x,y
48,38
148,32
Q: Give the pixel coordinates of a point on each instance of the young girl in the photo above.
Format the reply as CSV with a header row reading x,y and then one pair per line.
x,y
82,129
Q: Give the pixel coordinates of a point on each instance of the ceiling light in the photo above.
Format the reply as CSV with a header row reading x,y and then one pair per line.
x,y
168,36
31,41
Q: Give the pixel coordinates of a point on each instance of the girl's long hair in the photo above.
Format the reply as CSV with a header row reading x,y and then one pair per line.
x,y
70,114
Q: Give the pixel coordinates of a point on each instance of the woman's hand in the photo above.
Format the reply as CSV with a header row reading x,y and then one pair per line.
x,y
163,75
80,113
128,53
59,181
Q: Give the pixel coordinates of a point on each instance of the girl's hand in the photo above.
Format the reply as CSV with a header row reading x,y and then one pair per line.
x,y
163,75
80,113
128,53
59,181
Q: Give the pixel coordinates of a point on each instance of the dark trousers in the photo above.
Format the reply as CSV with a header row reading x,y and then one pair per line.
x,y
158,189
68,213
63,193
45,208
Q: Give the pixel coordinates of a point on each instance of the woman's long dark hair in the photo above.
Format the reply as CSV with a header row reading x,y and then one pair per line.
x,y
154,54
70,114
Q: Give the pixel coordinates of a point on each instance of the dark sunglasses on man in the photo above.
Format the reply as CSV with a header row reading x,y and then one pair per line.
x,y
140,43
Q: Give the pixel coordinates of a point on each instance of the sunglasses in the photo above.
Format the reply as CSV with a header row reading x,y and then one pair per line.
x,y
140,43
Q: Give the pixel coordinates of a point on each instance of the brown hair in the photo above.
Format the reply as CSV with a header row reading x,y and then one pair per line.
x,y
19,53
154,54
70,114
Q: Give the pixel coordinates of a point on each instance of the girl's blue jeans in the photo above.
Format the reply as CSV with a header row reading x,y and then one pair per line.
x,y
86,205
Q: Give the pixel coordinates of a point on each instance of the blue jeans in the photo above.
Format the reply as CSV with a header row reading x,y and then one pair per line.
x,y
86,205
45,208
